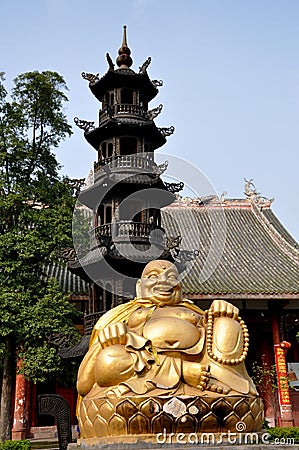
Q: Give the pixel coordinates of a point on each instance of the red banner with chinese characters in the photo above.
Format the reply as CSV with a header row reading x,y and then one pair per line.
x,y
282,375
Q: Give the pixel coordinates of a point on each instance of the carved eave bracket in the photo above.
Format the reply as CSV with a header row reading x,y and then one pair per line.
x,y
153,113
84,124
76,184
184,256
68,254
174,187
90,77
160,169
167,131
157,83
173,242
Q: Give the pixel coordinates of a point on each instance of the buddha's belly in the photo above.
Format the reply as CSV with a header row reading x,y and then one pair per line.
x,y
172,333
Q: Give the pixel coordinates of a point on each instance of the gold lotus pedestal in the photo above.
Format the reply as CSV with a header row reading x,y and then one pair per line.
x,y
182,414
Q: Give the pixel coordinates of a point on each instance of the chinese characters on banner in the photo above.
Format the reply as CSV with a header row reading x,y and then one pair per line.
x,y
282,376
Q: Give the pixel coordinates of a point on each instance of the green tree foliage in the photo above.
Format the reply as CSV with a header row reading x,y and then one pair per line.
x,y
35,225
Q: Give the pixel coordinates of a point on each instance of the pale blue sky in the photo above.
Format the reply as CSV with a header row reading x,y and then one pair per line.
x,y
230,72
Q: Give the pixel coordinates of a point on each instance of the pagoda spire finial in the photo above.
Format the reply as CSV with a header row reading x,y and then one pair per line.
x,y
124,60
125,44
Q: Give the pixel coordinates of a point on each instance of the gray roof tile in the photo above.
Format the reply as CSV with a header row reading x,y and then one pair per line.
x,y
259,255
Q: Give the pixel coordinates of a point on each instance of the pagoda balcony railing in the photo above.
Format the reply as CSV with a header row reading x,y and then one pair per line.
x,y
90,320
135,162
123,229
125,109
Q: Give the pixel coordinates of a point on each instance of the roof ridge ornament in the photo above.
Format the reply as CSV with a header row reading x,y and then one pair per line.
x,y
256,197
110,62
144,66
124,60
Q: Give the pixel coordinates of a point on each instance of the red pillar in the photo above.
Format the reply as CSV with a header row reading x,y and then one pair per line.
x,y
19,429
286,418
268,395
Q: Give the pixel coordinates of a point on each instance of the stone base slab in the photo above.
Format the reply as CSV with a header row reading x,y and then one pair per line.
x,y
142,444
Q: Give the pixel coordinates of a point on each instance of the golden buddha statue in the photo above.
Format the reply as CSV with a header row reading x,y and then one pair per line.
x,y
160,344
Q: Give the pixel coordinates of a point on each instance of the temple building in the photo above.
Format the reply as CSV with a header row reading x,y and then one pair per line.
x,y
254,263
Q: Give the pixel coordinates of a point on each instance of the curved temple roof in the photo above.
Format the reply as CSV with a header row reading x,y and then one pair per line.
x,y
260,259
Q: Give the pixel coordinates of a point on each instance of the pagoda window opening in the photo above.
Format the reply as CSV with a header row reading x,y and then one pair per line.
x,y
108,214
154,217
128,146
143,103
101,214
109,99
138,217
110,150
104,150
127,96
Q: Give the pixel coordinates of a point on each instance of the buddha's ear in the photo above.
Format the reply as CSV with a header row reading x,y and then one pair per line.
x,y
138,289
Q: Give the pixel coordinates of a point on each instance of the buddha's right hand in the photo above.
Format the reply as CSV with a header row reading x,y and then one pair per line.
x,y
115,333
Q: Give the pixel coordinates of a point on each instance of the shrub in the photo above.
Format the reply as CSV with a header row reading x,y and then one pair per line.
x,y
284,433
16,445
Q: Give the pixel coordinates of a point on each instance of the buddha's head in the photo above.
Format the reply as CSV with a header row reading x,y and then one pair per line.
x,y
159,283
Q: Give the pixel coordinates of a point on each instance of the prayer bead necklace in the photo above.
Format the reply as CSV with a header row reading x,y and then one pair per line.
x,y
210,326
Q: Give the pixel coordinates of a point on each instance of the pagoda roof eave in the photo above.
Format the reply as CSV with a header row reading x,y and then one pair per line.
x,y
92,196
125,78
118,127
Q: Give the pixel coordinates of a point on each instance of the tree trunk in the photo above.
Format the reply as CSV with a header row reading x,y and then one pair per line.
x,y
7,390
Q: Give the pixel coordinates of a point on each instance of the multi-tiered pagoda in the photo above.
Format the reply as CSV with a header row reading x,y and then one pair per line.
x,y
128,192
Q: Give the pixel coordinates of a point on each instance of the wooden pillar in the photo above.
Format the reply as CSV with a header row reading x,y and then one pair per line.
x,y
275,326
20,419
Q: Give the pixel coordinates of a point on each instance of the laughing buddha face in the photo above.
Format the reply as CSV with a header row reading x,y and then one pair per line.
x,y
159,283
